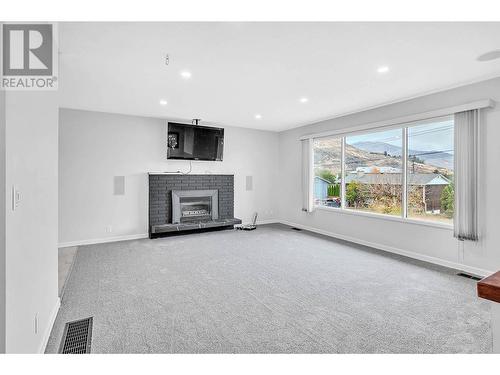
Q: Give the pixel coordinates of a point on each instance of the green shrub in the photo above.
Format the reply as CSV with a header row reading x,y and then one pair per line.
x,y
448,200
327,175
330,190
352,193
336,190
333,190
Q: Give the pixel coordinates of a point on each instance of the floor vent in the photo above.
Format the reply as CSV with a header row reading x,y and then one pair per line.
x,y
297,229
468,276
76,337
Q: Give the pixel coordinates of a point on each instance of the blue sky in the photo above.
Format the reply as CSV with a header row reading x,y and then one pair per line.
x,y
392,137
436,136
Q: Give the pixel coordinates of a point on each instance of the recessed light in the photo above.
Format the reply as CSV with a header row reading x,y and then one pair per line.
x,y
258,117
488,56
303,100
163,102
382,69
185,74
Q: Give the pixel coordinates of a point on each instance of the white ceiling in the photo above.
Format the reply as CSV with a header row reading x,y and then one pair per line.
x,y
243,69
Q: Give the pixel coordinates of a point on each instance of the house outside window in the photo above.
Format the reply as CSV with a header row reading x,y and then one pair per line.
x,y
365,172
430,171
327,171
373,172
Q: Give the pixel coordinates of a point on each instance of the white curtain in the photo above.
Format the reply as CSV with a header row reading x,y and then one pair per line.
x,y
307,178
466,175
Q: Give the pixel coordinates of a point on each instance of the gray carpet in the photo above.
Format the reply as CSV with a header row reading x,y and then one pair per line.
x,y
273,290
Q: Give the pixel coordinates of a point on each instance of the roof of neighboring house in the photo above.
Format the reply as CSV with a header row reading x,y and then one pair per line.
x,y
419,179
322,179
375,169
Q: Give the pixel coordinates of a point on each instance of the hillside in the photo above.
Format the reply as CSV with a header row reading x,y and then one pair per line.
x,y
435,158
327,156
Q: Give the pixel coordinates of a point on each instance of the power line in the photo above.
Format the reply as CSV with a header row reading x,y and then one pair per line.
x,y
431,152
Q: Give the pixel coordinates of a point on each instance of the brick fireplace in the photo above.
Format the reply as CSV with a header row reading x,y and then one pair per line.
x,y
187,202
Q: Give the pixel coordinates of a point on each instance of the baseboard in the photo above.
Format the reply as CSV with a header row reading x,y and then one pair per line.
x,y
410,254
48,330
134,236
264,222
104,240
61,295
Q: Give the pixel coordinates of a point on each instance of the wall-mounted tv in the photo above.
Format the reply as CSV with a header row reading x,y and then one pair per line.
x,y
194,142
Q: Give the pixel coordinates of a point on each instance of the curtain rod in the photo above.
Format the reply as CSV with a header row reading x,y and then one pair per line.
x,y
484,103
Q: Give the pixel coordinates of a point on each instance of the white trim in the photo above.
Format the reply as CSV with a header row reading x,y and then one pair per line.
x,y
310,179
267,221
343,167
376,215
48,330
410,254
404,174
104,240
484,103
261,222
133,237
307,172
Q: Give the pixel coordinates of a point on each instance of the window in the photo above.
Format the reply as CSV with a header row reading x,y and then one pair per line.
x,y
365,171
430,171
373,172
327,171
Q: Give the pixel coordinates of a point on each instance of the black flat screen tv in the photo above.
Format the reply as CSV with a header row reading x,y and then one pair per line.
x,y
194,142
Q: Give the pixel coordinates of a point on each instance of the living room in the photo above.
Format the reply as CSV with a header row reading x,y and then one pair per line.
x,y
250,187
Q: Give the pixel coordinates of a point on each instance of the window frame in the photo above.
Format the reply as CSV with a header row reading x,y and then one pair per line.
x,y
343,209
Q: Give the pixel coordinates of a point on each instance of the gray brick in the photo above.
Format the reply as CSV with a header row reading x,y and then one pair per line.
x,y
160,193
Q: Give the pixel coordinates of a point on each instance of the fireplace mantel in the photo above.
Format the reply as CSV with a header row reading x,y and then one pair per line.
x,y
186,174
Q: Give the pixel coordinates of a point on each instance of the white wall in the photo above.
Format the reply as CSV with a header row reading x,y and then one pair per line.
x,y
2,221
31,230
95,146
430,243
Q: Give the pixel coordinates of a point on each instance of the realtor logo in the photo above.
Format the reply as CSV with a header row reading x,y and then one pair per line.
x,y
29,57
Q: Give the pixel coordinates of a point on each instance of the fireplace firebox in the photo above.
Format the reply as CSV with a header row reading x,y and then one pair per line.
x,y
190,206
